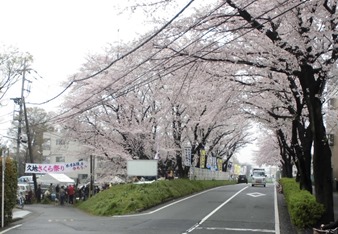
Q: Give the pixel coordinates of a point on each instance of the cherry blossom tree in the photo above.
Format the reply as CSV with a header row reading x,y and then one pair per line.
x,y
128,120
11,65
294,39
233,41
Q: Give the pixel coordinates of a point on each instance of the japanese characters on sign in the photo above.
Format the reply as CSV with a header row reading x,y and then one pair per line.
x,y
55,168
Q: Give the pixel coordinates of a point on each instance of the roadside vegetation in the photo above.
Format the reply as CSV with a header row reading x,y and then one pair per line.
x,y
304,211
132,198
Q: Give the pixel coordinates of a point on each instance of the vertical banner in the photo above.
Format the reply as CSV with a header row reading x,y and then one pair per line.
x,y
187,156
202,158
219,164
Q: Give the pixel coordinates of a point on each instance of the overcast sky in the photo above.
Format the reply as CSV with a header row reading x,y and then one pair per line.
x,y
59,35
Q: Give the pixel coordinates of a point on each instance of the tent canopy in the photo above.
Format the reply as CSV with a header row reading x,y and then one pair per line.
x,y
55,179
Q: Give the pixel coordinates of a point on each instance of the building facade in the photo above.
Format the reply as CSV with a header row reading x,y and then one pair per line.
x,y
57,149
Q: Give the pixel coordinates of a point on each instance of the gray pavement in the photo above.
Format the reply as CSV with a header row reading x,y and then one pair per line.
x,y
286,226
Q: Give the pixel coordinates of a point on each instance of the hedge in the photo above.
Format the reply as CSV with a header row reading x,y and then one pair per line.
x,y
303,208
10,189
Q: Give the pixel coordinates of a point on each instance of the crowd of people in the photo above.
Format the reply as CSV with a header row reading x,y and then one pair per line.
x,y
65,193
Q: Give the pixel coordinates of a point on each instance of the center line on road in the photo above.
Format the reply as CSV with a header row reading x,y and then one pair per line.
x,y
214,211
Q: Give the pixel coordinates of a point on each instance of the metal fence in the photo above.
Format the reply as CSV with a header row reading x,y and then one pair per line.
x,y
206,174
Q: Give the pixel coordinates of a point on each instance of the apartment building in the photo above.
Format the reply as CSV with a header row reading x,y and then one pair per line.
x,y
57,149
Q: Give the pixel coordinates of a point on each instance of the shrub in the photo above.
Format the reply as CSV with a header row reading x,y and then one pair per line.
x,y
10,188
302,206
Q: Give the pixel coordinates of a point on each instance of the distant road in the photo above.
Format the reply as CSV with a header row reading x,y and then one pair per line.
x,y
228,209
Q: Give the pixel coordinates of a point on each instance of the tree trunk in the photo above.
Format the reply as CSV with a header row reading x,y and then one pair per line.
x,y
286,158
306,141
322,169
302,153
182,173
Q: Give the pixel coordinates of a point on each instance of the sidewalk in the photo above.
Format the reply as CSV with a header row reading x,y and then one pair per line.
x,y
19,214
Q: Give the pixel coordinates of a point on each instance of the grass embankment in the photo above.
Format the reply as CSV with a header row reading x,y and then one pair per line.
x,y
132,198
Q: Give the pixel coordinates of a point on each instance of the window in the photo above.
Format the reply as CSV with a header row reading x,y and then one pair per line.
x,y
60,159
60,142
46,144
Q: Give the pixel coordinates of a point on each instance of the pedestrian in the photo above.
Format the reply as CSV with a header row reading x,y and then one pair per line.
x,y
51,190
86,192
57,191
29,196
62,195
38,193
71,192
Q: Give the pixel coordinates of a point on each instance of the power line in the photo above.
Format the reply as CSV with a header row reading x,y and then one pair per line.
x,y
123,56
130,70
151,80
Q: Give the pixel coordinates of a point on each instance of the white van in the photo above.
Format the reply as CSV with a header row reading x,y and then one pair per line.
x,y
258,177
23,187
25,179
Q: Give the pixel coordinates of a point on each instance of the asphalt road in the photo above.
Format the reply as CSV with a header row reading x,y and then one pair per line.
x,y
229,209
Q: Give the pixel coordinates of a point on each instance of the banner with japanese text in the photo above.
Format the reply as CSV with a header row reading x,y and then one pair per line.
x,y
220,164
202,158
55,168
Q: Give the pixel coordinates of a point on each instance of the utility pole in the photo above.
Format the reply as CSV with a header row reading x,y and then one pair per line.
x,y
29,141
20,117
19,102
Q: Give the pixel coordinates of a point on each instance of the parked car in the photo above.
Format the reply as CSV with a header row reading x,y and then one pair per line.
x,y
242,179
26,191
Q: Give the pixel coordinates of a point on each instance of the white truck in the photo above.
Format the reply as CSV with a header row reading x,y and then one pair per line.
x,y
258,177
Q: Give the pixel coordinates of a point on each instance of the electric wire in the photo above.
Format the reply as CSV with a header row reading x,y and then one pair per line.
x,y
139,84
138,65
125,55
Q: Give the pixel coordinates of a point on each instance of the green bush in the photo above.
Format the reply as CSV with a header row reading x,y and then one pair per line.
x,y
302,206
10,188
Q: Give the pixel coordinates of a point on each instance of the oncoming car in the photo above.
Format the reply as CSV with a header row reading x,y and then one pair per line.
x,y
258,177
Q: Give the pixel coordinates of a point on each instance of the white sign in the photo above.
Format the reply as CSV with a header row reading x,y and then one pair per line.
x,y
55,168
187,156
142,167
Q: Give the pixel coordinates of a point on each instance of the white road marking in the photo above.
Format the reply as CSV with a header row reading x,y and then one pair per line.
x,y
213,212
163,207
255,194
197,225
238,229
16,226
277,229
